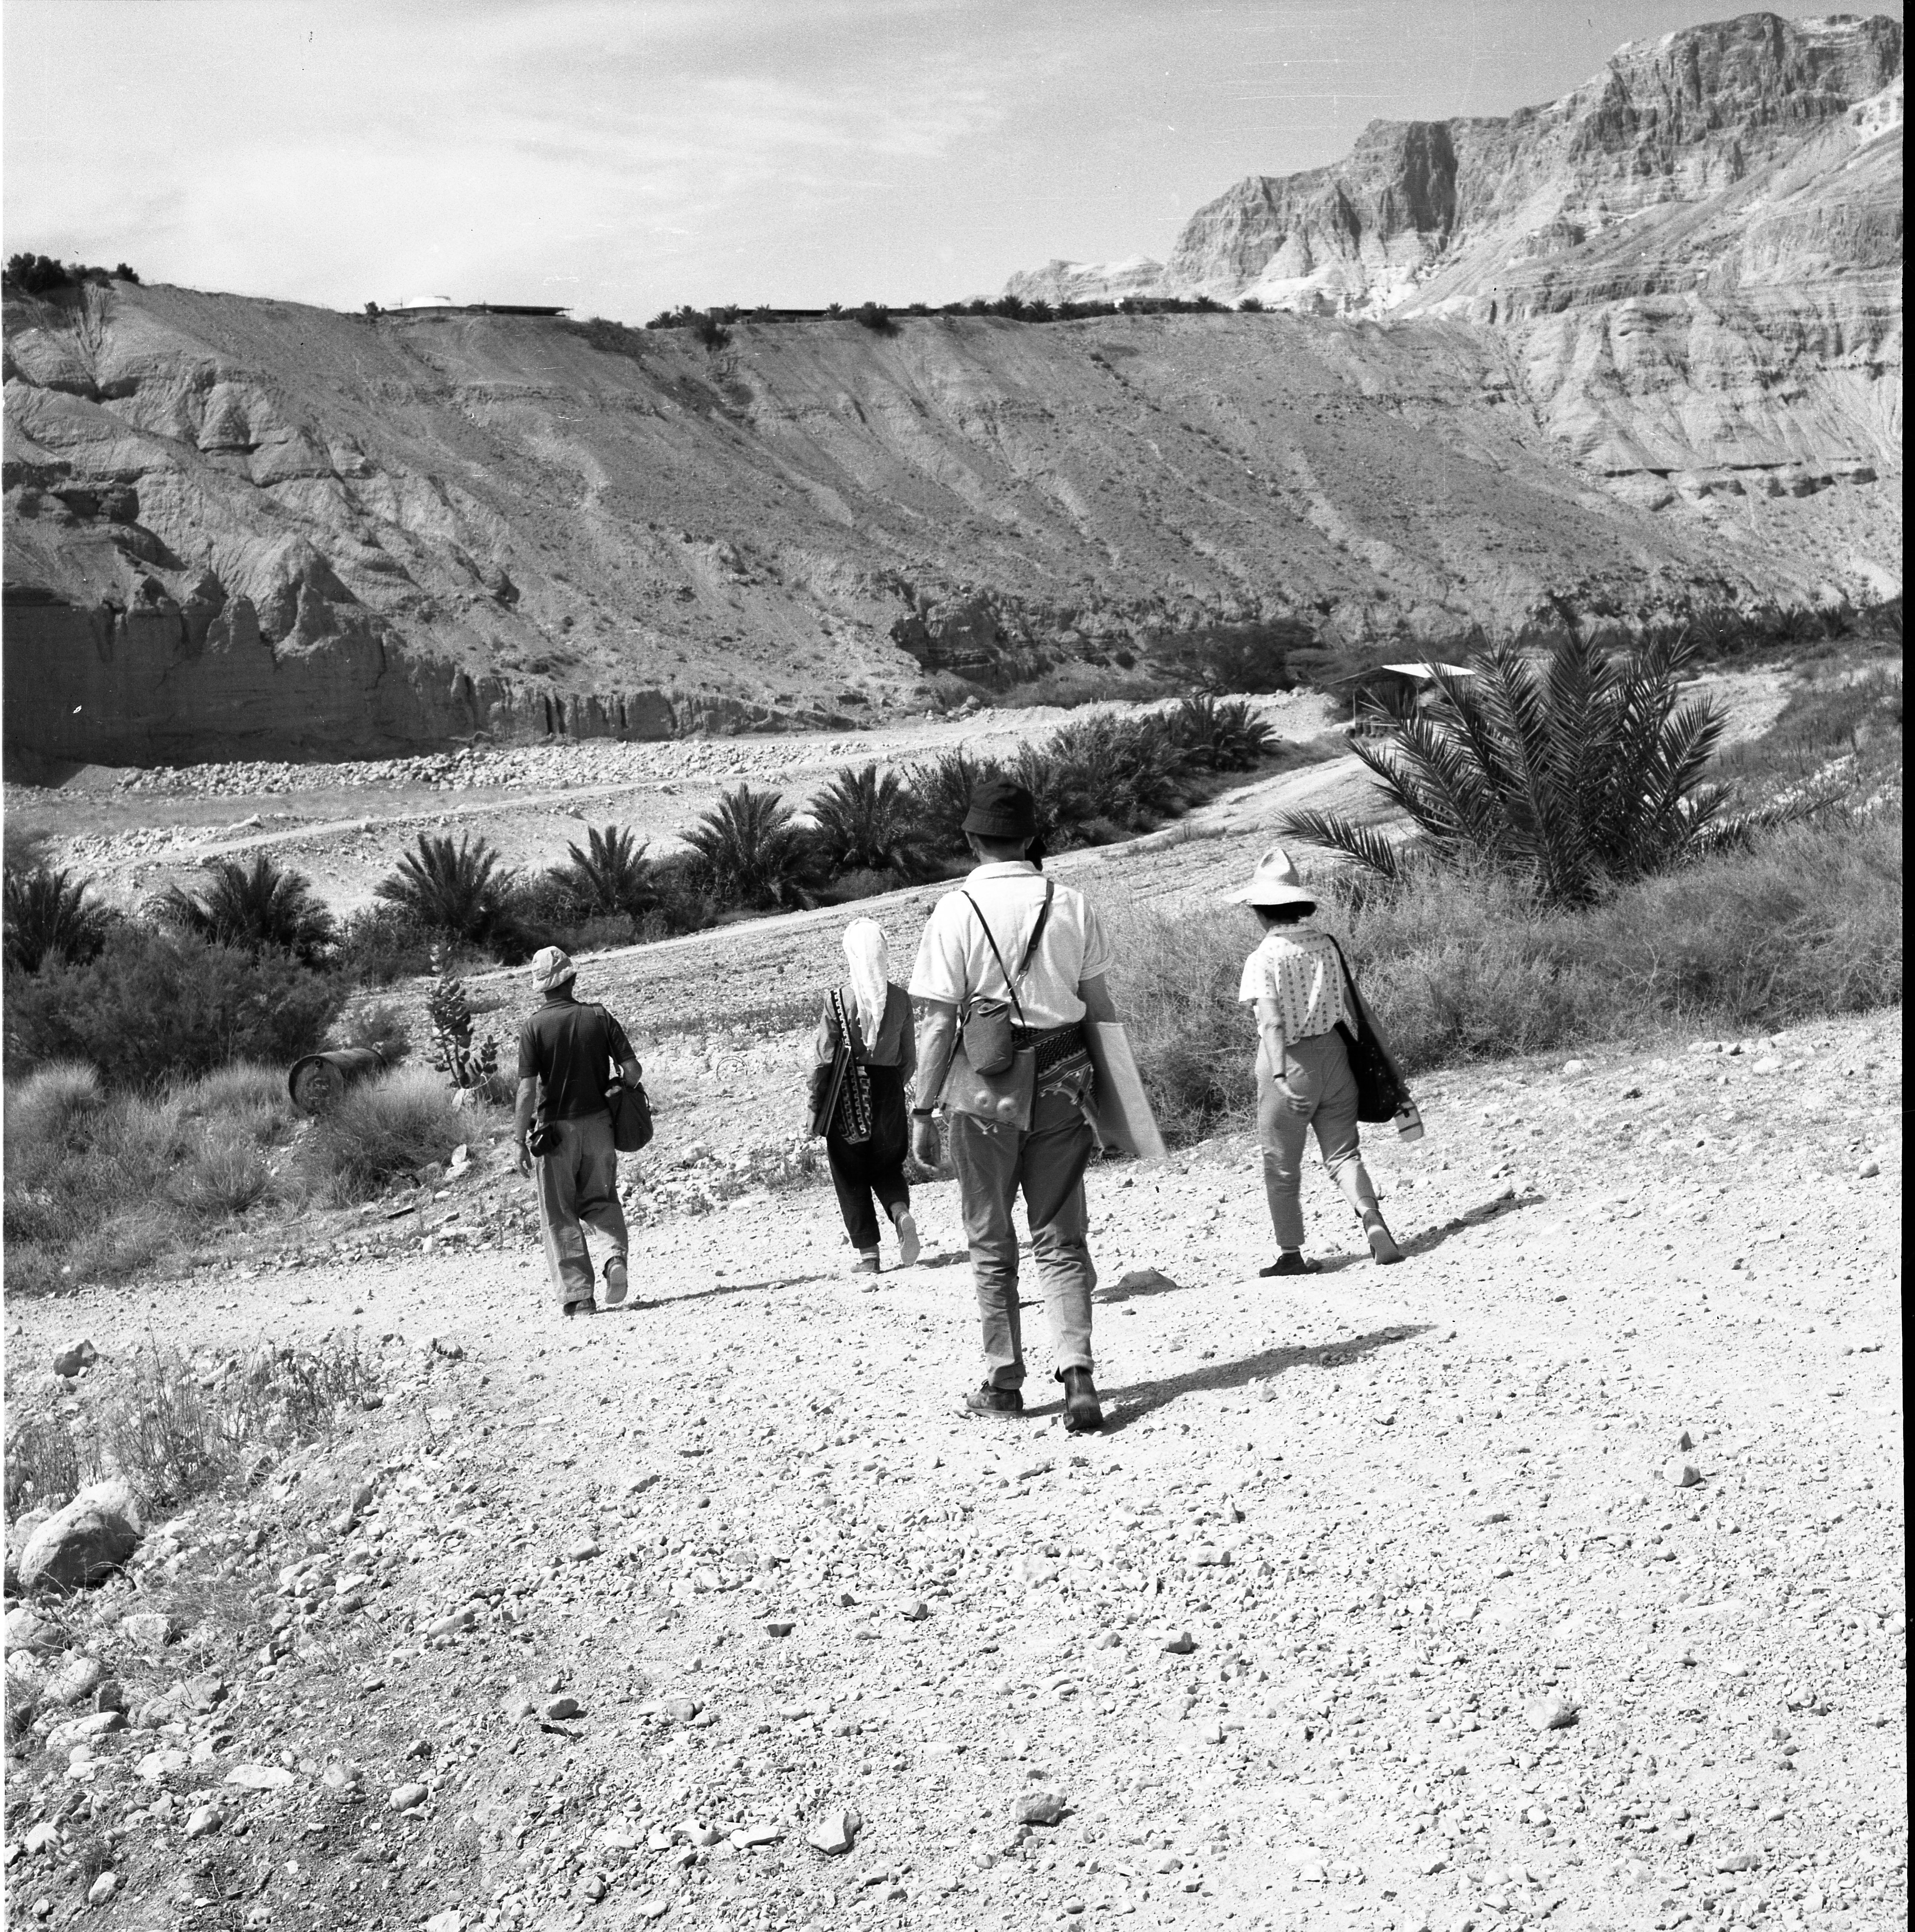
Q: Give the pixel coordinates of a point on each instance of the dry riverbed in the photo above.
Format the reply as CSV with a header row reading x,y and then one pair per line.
x,y
627,1614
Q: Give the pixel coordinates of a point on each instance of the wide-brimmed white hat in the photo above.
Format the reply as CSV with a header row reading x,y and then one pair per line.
x,y
552,967
1275,883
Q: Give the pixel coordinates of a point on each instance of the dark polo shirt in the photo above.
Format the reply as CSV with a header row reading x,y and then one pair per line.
x,y
573,1049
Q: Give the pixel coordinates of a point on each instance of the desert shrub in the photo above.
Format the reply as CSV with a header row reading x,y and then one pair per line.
x,y
462,892
864,821
1590,770
1220,734
687,902
36,274
383,942
100,1185
381,1026
942,787
48,916
875,317
850,886
610,874
154,1007
1468,964
254,906
381,1130
756,854
1854,719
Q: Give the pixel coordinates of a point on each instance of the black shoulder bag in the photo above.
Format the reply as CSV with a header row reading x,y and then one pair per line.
x,y
1380,1093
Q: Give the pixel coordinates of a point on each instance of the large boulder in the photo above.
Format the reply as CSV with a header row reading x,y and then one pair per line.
x,y
87,1540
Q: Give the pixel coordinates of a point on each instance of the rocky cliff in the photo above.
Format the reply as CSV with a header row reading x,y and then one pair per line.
x,y
243,527
1694,259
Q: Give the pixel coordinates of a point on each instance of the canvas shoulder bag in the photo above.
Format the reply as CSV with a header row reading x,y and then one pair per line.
x,y
630,1108
988,1041
1380,1093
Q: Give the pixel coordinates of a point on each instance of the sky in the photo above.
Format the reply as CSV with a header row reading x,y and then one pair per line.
x,y
622,156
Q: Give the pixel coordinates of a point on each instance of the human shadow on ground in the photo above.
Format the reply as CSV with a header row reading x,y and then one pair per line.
x,y
1508,1202
635,1305
1123,1406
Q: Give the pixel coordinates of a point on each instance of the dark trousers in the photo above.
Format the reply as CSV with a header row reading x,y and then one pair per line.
x,y
862,1168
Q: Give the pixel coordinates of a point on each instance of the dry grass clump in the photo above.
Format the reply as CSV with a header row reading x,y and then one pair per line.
x,y
176,1428
1464,966
385,1127
99,1184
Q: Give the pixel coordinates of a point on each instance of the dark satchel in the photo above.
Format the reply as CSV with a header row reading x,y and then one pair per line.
x,y
630,1110
1380,1093
543,1138
989,1043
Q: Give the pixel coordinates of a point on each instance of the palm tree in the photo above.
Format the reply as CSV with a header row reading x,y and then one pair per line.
x,y
48,916
756,854
943,790
1221,734
1585,769
1121,772
462,890
252,908
864,822
612,875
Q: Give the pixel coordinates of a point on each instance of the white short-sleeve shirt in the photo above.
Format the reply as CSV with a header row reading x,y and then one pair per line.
x,y
954,961
1298,968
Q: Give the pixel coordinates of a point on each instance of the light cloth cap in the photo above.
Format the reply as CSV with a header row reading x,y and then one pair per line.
x,y
1275,883
551,968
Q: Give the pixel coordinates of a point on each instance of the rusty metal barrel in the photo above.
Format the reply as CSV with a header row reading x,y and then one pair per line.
x,y
317,1082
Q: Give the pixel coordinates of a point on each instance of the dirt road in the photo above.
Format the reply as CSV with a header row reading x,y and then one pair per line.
x,y
1279,1643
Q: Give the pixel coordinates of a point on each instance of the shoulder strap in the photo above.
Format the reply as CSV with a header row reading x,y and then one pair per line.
x,y
1349,977
846,1035
1037,930
1010,986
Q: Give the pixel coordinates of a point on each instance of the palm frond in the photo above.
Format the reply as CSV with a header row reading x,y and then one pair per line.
x,y
1367,846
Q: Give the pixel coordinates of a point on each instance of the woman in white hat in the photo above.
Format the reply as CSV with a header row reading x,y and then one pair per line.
x,y
1294,982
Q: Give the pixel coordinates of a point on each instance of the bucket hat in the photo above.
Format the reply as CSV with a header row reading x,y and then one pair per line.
x,y
1001,808
551,968
1275,883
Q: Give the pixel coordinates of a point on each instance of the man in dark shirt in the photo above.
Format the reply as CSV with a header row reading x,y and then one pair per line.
x,y
569,1049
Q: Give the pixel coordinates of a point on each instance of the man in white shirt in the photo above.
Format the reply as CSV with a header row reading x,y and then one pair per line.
x,y
1010,934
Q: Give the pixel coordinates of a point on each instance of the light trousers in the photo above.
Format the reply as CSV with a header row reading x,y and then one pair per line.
x,y
994,1162
578,1184
1316,1071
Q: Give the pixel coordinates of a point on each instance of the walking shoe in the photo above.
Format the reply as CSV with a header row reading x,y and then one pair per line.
x,y
615,1280
581,1308
1382,1243
992,1400
907,1239
866,1262
1290,1261
1082,1413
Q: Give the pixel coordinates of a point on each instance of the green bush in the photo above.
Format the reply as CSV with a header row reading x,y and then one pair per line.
x,y
154,1007
253,906
1220,734
1127,774
383,942
383,1129
48,916
942,787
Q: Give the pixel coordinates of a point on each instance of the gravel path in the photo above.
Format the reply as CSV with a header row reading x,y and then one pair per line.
x,y
1278,1643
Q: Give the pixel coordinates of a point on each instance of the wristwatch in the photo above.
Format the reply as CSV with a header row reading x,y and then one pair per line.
x,y
923,1113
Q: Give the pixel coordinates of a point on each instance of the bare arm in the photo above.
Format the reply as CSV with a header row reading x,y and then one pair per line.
x,y
937,1040
1098,1004
526,1105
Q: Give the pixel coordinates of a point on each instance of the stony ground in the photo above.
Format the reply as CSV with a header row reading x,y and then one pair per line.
x,y
602,1624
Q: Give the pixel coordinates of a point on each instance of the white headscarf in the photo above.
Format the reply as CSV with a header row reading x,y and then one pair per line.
x,y
869,958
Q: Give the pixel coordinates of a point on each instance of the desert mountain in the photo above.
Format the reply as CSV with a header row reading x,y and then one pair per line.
x,y
244,526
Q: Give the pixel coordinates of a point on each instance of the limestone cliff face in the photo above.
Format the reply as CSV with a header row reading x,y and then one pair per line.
x,y
1694,258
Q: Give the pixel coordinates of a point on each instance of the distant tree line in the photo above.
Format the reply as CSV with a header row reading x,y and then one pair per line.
x,y
709,324
40,275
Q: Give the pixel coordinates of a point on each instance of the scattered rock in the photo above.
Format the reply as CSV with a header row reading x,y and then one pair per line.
x,y
1039,1808
260,1777
1868,1170
75,1357
583,1551
406,1797
1680,1473
779,1626
78,1676
450,1349
88,1540
1571,1068
836,1832
914,1609
1553,1712
1143,1281
202,1821
103,1887
151,1630
453,1920
1179,1643
559,1709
